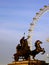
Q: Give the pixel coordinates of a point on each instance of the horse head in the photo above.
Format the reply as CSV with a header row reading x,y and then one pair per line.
x,y
38,42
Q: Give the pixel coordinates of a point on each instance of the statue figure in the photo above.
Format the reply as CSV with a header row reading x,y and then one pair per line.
x,y
21,45
22,40
22,49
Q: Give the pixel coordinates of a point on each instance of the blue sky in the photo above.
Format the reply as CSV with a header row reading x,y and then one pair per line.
x,y
15,19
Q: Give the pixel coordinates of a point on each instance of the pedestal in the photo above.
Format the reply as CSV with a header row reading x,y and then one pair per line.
x,y
30,62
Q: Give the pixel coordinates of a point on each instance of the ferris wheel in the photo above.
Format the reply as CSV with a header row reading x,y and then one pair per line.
x,y
32,25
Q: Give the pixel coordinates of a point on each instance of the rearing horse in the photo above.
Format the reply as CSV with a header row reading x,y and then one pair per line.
x,y
38,49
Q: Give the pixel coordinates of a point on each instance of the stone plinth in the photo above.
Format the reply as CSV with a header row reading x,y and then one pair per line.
x,y
30,62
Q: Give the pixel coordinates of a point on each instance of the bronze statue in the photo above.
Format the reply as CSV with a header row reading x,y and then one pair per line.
x,y
23,50
38,49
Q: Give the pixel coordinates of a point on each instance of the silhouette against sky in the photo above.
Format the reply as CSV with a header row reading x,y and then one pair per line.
x,y
15,19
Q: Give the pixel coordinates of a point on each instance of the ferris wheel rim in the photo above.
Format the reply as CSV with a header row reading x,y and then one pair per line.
x,y
35,19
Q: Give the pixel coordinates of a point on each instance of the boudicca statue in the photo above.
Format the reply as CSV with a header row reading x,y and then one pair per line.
x,y
23,50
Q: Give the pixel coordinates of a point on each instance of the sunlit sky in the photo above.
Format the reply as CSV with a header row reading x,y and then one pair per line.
x,y
15,19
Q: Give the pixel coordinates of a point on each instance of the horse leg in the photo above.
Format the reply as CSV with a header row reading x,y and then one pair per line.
x,y
34,57
43,51
26,56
